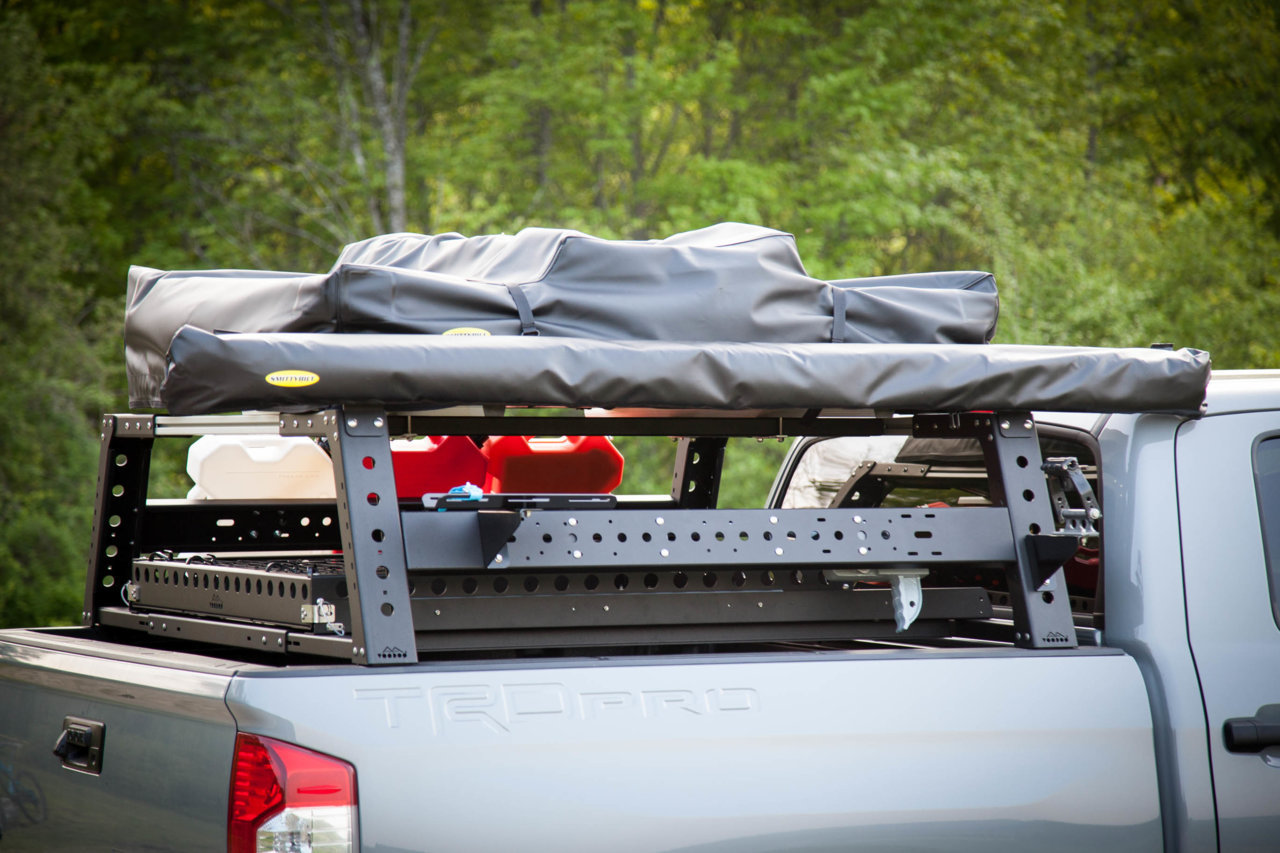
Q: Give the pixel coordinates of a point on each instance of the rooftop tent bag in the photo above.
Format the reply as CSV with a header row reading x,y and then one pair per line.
x,y
225,373
728,283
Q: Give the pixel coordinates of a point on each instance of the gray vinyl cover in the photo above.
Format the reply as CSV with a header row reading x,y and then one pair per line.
x,y
227,372
728,283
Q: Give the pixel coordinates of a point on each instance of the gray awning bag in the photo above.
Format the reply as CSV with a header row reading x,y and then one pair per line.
x,y
726,283
230,372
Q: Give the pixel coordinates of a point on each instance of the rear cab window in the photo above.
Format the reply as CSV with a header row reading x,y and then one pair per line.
x,y
1266,472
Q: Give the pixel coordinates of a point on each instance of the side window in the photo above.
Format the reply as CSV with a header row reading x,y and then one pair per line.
x,y
1266,473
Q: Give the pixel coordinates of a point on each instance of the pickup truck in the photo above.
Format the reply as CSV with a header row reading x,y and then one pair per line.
x,y
998,597
1159,731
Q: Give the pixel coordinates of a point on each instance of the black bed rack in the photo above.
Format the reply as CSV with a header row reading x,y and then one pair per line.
x,y
375,580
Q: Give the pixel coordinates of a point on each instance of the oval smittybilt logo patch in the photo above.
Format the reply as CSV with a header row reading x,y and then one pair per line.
x,y
468,330
292,378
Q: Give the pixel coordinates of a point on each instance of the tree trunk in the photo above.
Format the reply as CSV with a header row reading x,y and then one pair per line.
x,y
388,103
349,114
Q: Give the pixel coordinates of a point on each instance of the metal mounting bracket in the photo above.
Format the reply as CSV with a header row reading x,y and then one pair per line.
x,y
372,539
904,584
1065,475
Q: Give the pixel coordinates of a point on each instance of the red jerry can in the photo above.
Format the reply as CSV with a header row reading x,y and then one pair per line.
x,y
436,464
572,464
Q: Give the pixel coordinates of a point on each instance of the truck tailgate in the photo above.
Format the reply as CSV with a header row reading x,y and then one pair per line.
x,y
166,746
959,750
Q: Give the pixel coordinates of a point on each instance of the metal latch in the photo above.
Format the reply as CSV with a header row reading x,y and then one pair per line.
x,y
904,585
323,613
1065,474
80,745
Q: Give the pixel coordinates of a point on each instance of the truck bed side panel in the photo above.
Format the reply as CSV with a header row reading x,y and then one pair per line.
x,y
830,751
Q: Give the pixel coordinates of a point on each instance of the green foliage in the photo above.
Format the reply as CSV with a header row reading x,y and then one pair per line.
x,y
1117,166
51,339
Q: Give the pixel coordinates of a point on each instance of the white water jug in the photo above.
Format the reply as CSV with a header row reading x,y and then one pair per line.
x,y
264,467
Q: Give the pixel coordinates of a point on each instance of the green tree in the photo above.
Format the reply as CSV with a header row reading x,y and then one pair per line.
x,y
1115,165
54,339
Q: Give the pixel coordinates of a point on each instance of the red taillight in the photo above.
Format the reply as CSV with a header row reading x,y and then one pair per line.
x,y
284,797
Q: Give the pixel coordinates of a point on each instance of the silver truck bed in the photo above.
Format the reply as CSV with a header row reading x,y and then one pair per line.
x,y
852,750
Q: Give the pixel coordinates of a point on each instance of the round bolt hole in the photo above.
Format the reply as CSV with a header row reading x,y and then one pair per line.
x,y
500,584
117,490
1046,597
531,584
561,583
373,498
621,581
1022,462
591,582
387,609
368,463
379,534
768,578
709,579
1034,528
650,581
469,585
112,550
739,578
382,572
1028,495
113,521
680,580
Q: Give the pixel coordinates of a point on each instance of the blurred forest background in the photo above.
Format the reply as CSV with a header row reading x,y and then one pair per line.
x,y
1115,164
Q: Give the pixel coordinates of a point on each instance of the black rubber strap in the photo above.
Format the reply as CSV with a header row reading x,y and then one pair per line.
x,y
527,326
838,298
